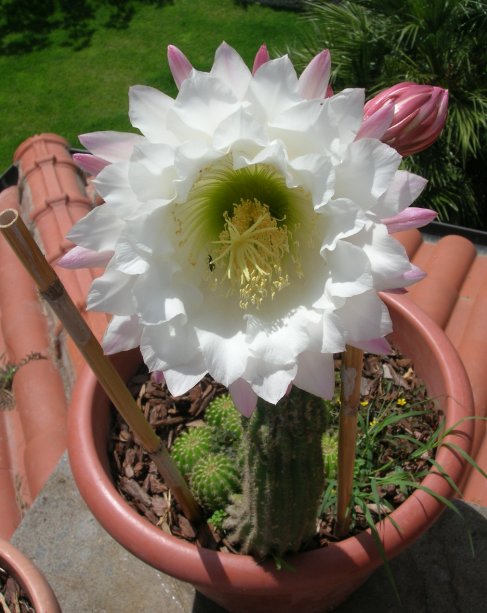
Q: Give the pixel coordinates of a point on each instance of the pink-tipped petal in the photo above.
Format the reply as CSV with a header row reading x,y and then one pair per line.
x,y
80,257
243,396
313,82
412,217
158,377
376,345
329,91
261,58
414,275
110,145
375,125
91,164
179,65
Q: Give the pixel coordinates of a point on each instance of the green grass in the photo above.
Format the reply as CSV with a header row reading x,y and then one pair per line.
x,y
58,89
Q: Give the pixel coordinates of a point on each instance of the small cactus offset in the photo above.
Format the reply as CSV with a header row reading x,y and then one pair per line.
x,y
213,479
223,416
329,447
283,476
191,446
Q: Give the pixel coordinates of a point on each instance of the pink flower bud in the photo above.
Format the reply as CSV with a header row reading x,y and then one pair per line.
x,y
179,65
261,57
419,115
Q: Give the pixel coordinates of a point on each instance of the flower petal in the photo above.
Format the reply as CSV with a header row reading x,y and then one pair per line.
x,y
111,146
123,333
148,110
231,69
80,257
243,396
91,164
313,82
412,217
316,374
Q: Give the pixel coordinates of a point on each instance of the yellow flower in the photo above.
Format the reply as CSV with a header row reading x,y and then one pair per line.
x,y
401,402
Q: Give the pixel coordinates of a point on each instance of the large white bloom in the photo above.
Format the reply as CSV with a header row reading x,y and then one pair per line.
x,y
242,231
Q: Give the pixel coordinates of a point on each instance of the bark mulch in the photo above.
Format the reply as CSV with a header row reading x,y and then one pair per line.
x,y
389,380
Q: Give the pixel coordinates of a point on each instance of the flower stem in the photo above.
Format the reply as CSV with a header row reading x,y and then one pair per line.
x,y
351,372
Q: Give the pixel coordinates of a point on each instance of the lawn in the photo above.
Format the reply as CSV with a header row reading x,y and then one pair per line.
x,y
58,89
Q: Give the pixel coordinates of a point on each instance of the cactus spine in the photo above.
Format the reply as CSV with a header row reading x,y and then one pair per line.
x,y
283,476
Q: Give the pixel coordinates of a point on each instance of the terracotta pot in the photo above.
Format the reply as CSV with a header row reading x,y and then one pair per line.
x,y
29,578
320,579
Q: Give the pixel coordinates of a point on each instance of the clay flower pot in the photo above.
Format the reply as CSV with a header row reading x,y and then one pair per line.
x,y
29,578
321,578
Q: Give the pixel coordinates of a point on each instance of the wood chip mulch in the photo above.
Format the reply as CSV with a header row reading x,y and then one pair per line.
x,y
384,378
13,598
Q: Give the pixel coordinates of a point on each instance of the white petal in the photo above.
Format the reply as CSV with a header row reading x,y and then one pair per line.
x,y
98,230
350,271
224,349
402,192
342,218
148,108
111,293
113,185
365,317
239,129
152,172
366,172
123,333
111,146
387,257
274,88
231,69
186,377
316,374
202,104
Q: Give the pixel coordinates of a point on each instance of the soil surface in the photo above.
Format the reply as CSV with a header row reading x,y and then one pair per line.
x,y
387,381
13,599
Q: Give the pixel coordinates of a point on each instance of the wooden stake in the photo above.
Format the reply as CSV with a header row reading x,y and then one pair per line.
x,y
51,288
351,374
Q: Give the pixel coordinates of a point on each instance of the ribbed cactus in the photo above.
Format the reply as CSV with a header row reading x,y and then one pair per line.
x,y
283,476
329,447
213,479
222,415
191,446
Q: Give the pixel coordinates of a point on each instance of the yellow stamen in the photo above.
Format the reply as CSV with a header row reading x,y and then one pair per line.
x,y
249,253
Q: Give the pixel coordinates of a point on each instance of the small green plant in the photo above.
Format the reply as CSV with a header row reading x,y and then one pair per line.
x,y
223,416
191,446
329,448
7,373
213,479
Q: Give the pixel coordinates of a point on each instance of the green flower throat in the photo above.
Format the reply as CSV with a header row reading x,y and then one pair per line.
x,y
244,224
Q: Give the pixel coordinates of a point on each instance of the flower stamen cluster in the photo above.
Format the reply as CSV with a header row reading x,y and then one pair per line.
x,y
251,248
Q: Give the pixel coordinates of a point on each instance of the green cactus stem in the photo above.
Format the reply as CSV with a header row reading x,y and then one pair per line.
x,y
191,446
283,477
213,479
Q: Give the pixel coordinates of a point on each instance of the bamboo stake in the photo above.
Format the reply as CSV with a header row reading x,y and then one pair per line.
x,y
351,374
51,288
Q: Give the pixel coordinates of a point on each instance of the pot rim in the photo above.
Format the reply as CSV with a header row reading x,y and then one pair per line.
x,y
202,566
29,577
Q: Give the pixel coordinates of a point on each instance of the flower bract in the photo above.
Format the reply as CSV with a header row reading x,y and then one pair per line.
x,y
242,228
